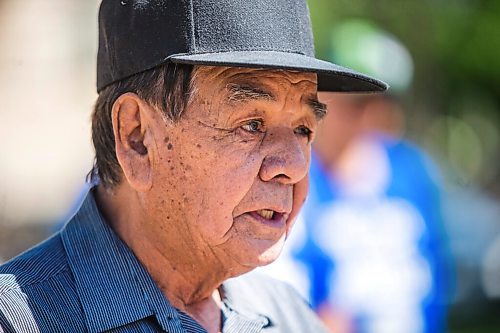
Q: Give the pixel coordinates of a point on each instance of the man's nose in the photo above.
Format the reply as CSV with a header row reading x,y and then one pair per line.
x,y
286,159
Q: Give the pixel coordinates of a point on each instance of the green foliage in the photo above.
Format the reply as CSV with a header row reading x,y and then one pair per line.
x,y
455,43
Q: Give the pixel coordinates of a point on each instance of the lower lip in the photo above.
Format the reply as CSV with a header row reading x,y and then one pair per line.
x,y
278,220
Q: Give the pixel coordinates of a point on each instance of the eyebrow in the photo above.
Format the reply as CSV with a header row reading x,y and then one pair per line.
x,y
246,92
319,109
241,92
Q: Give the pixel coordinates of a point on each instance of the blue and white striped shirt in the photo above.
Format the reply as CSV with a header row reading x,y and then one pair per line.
x,y
85,279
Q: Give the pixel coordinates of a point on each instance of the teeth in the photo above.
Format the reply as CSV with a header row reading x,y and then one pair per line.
x,y
266,213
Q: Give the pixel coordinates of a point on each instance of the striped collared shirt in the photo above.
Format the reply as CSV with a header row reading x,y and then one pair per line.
x,y
85,279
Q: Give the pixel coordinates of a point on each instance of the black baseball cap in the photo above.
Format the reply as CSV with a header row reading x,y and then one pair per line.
x,y
137,35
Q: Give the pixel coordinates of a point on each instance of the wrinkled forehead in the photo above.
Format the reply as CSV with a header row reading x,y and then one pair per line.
x,y
233,85
225,77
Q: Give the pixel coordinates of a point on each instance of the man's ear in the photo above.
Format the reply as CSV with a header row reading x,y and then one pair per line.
x,y
130,116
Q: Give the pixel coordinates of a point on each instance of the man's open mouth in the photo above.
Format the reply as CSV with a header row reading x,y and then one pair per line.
x,y
269,217
266,213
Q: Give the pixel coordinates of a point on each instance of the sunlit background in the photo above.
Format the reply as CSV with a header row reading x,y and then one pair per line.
x,y
447,75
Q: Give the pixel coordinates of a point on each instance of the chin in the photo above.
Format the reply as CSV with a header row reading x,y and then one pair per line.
x,y
262,254
268,258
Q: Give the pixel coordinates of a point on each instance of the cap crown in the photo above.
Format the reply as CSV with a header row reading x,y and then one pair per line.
x,y
136,35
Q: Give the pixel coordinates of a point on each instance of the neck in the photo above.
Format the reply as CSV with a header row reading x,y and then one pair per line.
x,y
188,277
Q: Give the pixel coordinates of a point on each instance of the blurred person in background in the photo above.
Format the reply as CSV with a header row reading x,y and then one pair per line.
x,y
373,249
376,222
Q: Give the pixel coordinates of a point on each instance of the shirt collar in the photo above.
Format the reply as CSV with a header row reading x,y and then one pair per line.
x,y
241,308
113,287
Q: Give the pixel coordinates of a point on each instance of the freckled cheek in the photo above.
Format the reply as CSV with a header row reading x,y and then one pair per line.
x,y
225,184
241,169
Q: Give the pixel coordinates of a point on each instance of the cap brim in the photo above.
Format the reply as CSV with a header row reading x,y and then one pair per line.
x,y
331,77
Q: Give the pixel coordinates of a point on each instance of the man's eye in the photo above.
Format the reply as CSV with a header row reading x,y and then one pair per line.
x,y
253,126
303,131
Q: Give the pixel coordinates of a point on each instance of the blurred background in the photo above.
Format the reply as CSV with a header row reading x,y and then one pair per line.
x,y
420,164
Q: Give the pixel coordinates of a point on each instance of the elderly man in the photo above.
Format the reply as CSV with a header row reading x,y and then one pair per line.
x,y
202,132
